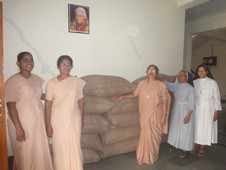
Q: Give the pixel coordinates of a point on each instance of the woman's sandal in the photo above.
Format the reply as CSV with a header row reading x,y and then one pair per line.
x,y
194,149
183,155
201,152
171,149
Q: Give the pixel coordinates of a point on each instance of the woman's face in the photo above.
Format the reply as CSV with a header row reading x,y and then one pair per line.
x,y
202,72
26,63
65,67
182,77
151,71
79,17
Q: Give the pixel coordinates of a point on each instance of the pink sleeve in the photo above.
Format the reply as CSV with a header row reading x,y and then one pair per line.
x,y
49,91
165,93
41,82
137,90
11,90
81,87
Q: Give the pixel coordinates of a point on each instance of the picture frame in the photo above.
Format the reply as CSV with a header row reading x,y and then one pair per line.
x,y
210,61
78,19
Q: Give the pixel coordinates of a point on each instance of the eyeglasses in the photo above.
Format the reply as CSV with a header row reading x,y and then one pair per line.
x,y
65,65
182,75
152,70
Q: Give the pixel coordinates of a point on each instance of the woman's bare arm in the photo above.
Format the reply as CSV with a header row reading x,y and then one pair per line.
x,y
13,114
48,109
129,96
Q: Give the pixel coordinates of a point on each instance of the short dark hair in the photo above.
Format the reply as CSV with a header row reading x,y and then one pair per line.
x,y
202,65
21,55
209,74
156,68
61,58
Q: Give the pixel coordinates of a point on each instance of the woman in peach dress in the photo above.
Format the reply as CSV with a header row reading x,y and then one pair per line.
x,y
64,116
26,118
154,102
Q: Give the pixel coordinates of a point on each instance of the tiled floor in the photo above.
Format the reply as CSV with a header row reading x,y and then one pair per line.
x,y
215,159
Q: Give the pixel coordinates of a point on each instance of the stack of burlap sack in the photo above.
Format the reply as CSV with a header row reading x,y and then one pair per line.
x,y
110,127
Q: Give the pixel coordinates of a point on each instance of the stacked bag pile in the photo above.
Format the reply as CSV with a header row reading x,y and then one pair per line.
x,y
110,127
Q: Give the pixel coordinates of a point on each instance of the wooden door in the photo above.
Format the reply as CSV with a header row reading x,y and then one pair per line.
x,y
3,144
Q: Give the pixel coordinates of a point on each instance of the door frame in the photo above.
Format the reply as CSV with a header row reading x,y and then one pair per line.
x,y
3,137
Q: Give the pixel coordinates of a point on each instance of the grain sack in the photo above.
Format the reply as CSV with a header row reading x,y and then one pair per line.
x,y
120,134
90,155
95,124
168,78
121,147
124,119
91,141
107,86
97,105
125,105
160,76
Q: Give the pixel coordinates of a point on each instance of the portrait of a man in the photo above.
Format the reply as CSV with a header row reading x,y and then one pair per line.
x,y
78,19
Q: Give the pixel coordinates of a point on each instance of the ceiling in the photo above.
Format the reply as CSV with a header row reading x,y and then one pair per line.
x,y
211,7
206,9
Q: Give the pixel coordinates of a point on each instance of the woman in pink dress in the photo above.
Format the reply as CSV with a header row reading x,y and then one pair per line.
x,y
26,125
154,102
64,116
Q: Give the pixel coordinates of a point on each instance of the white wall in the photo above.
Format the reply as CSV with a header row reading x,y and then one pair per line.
x,y
218,71
40,27
125,36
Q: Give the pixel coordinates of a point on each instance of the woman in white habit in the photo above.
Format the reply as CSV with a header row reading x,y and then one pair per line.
x,y
207,105
181,130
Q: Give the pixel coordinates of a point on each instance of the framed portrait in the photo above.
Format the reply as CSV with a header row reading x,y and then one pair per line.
x,y
78,19
210,61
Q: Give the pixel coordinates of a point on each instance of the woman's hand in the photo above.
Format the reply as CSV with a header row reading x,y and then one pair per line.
x,y
43,96
119,99
215,117
49,131
20,134
186,119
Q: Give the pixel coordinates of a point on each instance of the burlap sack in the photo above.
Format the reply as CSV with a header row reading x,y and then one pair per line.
x,y
120,134
97,105
94,124
107,86
169,78
121,147
162,77
124,119
91,141
90,155
125,105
